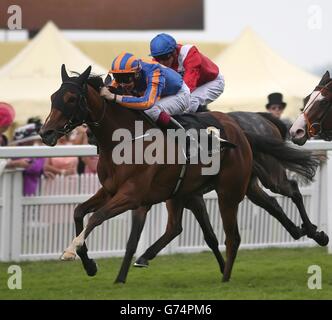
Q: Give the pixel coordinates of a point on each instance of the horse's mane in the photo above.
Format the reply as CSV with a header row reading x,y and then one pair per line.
x,y
95,81
277,122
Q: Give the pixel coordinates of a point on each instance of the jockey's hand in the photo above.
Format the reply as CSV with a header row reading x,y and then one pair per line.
x,y
104,92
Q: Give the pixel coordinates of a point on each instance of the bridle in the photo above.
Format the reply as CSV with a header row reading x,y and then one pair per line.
x,y
315,129
82,110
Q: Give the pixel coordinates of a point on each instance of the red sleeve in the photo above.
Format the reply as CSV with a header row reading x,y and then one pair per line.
x,y
192,65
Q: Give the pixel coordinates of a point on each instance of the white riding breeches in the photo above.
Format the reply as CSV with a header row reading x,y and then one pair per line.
x,y
176,104
207,93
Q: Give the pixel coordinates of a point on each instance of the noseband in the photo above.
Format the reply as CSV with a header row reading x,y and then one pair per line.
x,y
81,110
315,129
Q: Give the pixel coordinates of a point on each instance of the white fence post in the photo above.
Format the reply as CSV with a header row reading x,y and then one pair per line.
x,y
329,199
5,235
17,215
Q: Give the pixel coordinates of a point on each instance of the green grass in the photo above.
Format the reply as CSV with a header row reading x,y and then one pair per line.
x,y
257,274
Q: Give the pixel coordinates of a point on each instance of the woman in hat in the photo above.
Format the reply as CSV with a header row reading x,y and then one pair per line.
x,y
33,167
7,116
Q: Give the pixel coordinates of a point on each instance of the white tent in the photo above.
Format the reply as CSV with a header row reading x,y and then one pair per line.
x,y
253,70
30,78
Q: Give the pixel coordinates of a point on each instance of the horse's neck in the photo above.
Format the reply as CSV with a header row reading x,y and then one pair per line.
x,y
115,117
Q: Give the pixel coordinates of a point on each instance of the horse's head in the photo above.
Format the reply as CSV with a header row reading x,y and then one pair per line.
x,y
69,107
316,117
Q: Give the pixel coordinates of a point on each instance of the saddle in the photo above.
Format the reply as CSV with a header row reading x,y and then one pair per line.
x,y
210,126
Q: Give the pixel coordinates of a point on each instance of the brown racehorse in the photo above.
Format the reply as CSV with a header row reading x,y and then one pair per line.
x,y
126,187
269,167
316,117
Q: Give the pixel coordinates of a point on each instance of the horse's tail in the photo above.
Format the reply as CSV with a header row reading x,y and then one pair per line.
x,y
302,162
277,122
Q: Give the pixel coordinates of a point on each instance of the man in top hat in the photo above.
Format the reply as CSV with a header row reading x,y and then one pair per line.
x,y
275,104
276,107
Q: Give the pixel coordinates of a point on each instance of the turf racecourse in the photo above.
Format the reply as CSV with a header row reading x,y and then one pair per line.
x,y
258,274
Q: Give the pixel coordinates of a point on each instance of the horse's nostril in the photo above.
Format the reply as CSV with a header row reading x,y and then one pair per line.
x,y
299,132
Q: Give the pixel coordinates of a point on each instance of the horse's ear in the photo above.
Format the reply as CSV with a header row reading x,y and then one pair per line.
x,y
64,74
325,79
85,75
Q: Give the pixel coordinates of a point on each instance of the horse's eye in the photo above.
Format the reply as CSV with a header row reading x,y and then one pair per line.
x,y
71,100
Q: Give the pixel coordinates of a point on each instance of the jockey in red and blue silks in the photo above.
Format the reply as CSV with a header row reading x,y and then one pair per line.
x,y
158,90
201,75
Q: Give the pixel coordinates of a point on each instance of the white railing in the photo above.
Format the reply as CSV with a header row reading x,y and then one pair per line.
x,y
41,226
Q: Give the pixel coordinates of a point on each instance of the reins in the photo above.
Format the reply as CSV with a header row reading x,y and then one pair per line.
x,y
83,110
315,129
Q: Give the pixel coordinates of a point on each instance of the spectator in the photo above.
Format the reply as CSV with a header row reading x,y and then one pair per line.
x,y
90,161
86,164
77,138
33,167
276,107
61,165
7,116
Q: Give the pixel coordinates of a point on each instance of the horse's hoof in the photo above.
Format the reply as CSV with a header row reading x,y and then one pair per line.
x,y
298,233
141,263
68,256
92,268
119,281
321,238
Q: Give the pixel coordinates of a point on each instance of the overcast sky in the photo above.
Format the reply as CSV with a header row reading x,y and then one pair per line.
x,y
300,30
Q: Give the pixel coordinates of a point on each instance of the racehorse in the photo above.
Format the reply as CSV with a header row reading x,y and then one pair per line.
x,y
126,187
269,167
316,117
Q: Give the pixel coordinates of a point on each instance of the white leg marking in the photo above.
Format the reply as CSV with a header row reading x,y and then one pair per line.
x,y
70,253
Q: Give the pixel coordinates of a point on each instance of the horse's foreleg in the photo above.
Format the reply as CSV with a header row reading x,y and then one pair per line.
x,y
197,205
174,228
138,221
92,204
121,202
259,197
291,189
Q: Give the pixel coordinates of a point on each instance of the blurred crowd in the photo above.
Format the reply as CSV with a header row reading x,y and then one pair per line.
x,y
35,168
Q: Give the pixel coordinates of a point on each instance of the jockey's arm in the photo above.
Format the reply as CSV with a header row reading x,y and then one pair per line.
x,y
192,65
150,97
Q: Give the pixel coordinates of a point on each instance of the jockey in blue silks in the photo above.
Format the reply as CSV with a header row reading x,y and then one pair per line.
x,y
148,86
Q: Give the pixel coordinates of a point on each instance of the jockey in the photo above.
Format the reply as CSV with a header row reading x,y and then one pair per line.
x,y
200,74
151,87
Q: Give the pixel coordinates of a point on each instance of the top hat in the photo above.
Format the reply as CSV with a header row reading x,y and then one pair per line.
x,y
275,98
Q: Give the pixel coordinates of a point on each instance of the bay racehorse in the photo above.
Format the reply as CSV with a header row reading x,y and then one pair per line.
x,y
316,117
130,186
269,167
